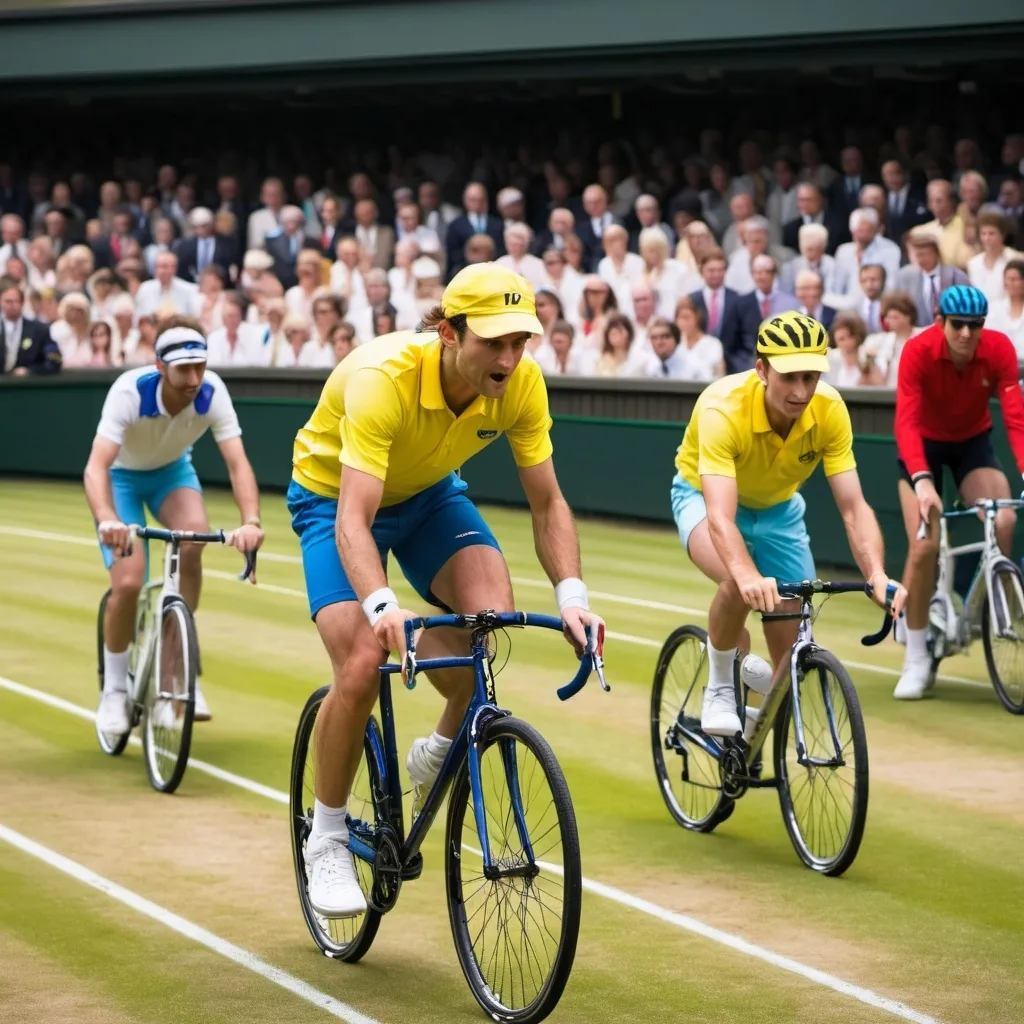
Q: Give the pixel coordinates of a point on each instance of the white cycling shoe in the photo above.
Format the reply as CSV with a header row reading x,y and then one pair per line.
x,y
718,716
113,716
423,769
915,681
334,889
202,712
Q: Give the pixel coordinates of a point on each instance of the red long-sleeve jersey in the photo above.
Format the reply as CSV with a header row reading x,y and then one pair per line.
x,y
935,401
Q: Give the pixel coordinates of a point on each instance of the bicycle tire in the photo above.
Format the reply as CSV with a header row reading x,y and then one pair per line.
x,y
176,611
722,806
1014,703
824,661
458,839
116,748
337,946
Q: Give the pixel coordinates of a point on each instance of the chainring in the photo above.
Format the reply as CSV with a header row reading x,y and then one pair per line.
x,y
387,870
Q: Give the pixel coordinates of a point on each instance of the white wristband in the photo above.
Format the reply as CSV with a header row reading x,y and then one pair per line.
x,y
571,593
379,603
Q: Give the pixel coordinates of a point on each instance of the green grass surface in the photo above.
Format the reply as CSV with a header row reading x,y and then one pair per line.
x,y
929,913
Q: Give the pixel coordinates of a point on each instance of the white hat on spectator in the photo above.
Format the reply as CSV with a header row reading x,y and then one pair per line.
x,y
509,195
199,216
257,259
425,269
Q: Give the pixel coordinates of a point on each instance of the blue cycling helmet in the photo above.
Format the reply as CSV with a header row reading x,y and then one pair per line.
x,y
963,300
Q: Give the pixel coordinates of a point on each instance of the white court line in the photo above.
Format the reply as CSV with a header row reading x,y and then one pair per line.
x,y
242,957
608,892
629,638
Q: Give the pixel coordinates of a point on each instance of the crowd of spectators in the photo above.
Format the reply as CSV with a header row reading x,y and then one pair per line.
x,y
662,266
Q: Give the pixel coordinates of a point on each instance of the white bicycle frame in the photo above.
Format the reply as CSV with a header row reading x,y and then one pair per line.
x,y
960,629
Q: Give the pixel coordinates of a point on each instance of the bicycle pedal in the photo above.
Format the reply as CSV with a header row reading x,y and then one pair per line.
x,y
413,869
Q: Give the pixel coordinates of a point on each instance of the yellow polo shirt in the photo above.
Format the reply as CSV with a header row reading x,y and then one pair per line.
x,y
729,435
382,412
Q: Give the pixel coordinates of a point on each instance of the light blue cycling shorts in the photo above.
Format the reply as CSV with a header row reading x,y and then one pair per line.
x,y
135,490
776,537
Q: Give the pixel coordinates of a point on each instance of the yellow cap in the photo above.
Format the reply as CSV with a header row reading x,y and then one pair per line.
x,y
495,301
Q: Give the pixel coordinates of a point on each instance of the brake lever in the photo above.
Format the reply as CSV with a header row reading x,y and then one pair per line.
x,y
410,655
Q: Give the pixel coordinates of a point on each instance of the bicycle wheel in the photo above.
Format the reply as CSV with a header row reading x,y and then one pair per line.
x,y
112,745
824,807
346,938
1004,655
170,698
688,776
515,934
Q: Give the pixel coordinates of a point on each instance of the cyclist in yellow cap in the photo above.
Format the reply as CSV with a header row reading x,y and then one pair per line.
x,y
375,470
752,441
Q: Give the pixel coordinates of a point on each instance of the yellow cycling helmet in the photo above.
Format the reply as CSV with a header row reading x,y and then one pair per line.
x,y
793,343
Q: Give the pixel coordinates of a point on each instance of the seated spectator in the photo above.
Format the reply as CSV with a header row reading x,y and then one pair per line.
x,y
265,220
575,254
98,354
212,284
973,190
846,368
1007,314
669,280
342,339
558,356
163,241
644,303
17,271
27,346
71,329
695,243
280,352
905,204
144,351
867,247
810,203
985,271
740,276
881,351
384,321
260,298
102,288
378,294
715,200
813,241
648,216
299,298
237,343
410,228
12,240
295,332
741,208
767,299
597,302
591,229
427,279
285,245
867,303
549,312
167,293
132,272
478,249
699,356
40,263
400,276
809,293
561,224
780,207
927,278
203,248
614,360
475,221
518,238
346,278
126,334
328,310
734,323
666,361
562,279
619,267
948,225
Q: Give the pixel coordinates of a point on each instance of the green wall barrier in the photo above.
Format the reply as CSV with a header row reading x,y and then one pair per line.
x,y
620,468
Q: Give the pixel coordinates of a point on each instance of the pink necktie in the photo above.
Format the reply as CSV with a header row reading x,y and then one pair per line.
x,y
713,315
764,309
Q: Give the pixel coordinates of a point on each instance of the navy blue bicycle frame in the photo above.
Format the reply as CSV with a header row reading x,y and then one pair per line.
x,y
483,708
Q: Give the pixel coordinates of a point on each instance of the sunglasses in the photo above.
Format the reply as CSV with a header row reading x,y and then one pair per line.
x,y
959,323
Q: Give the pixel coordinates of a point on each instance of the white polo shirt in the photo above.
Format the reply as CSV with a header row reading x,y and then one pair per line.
x,y
135,418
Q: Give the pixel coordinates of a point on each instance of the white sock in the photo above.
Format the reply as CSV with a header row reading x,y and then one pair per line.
x,y
720,663
437,748
115,671
917,644
329,821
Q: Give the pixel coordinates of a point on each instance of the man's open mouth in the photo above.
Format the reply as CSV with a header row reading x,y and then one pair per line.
x,y
499,378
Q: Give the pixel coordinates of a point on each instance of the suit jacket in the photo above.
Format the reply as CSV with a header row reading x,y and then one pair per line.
x,y
834,223
911,279
593,249
737,329
459,233
779,302
329,239
914,212
279,246
225,255
825,316
843,203
37,351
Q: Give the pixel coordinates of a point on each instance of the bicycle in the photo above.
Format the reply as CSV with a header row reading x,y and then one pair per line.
x,y
498,848
992,608
163,662
819,736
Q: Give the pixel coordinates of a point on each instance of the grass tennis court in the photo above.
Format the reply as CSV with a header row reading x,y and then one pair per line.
x,y
927,921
